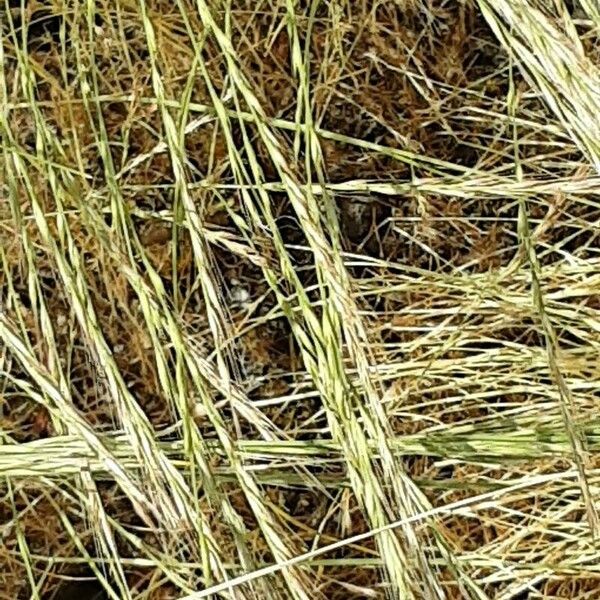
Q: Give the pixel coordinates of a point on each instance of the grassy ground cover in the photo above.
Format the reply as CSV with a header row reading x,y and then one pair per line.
x,y
299,299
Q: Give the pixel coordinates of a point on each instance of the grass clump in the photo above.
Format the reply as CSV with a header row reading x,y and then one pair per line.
x,y
299,299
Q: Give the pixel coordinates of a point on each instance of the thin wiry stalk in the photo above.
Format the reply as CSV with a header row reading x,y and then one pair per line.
x,y
567,404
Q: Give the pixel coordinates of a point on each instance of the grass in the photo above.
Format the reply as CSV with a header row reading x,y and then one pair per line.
x,y
299,299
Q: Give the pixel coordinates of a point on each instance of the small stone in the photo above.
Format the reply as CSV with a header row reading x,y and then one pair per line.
x,y
240,295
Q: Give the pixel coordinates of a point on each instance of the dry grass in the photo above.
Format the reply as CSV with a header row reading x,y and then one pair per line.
x,y
300,299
